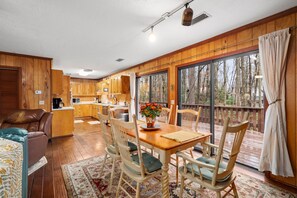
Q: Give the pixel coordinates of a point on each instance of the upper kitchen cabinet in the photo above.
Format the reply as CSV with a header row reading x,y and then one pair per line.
x,y
57,82
83,87
103,87
120,85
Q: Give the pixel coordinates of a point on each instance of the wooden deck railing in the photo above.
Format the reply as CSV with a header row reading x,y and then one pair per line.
x,y
256,115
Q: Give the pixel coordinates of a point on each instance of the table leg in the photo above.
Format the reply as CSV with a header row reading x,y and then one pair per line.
x,y
165,158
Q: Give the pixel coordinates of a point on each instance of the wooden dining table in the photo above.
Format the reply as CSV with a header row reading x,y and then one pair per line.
x,y
166,147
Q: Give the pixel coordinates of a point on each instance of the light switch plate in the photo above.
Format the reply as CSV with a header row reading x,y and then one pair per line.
x,y
38,92
172,102
41,102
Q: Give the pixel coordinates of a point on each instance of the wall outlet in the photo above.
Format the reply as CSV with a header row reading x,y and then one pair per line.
x,y
41,102
172,102
38,92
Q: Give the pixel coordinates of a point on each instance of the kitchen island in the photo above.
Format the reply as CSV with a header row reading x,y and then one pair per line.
x,y
63,122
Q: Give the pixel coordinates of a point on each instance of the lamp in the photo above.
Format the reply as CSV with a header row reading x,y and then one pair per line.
x,y
152,36
187,16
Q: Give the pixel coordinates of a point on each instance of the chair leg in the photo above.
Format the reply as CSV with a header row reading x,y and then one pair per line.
x,y
176,169
119,185
111,176
182,182
191,152
234,190
105,157
219,195
138,190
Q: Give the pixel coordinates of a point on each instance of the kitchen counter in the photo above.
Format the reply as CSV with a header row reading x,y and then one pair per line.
x,y
63,108
100,104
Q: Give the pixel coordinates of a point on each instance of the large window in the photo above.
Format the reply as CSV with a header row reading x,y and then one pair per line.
x,y
152,88
227,87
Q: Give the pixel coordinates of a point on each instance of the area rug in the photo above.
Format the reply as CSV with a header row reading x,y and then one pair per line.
x,y
94,122
82,180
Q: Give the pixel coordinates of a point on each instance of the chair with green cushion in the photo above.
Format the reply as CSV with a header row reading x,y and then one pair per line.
x,y
212,172
139,167
111,149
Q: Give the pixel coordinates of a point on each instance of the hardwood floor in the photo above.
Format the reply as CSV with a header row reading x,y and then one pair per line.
x,y
85,143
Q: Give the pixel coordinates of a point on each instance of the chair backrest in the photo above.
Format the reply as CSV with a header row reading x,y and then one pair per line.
x,y
107,134
120,130
188,116
238,132
165,115
116,111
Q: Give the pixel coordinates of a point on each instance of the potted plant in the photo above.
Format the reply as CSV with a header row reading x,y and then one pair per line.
x,y
150,111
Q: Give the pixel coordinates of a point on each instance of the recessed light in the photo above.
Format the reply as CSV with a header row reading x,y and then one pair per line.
x,y
85,72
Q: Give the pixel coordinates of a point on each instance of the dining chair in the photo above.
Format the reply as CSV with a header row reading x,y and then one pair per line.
x,y
111,150
140,167
212,172
165,114
190,117
115,112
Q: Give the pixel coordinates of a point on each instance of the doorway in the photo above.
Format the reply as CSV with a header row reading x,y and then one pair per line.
x,y
9,91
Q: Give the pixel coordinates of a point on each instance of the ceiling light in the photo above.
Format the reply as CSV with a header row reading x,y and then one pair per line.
x,y
187,16
85,72
152,36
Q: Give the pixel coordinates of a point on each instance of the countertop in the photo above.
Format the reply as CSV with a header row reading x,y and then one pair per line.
x,y
99,104
63,109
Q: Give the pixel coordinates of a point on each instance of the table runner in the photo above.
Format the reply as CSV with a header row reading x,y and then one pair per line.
x,y
182,136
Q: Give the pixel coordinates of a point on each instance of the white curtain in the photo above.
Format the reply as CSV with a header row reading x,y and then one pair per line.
x,y
273,50
132,107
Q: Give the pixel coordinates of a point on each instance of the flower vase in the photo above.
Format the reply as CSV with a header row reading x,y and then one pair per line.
x,y
150,122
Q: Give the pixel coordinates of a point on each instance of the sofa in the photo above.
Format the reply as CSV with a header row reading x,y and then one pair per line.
x,y
38,124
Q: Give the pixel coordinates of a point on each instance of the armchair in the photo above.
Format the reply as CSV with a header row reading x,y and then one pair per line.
x,y
38,124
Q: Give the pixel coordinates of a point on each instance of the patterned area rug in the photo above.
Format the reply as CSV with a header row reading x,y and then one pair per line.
x,y
82,180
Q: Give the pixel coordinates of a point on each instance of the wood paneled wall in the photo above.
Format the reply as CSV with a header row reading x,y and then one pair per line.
x,y
36,75
240,40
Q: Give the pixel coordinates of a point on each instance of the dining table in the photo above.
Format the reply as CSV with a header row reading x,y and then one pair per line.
x,y
166,147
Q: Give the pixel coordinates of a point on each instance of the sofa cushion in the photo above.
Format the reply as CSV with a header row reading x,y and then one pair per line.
x,y
25,116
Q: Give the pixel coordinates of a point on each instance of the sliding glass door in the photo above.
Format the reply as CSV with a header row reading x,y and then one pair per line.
x,y
152,88
233,86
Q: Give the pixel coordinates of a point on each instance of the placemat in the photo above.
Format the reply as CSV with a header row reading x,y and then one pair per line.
x,y
182,136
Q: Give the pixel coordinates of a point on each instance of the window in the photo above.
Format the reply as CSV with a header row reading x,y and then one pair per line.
x,y
152,88
226,87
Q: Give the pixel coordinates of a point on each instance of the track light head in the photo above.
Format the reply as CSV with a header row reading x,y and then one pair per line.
x,y
152,36
187,16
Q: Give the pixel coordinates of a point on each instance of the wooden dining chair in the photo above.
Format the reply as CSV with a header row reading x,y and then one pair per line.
x,y
212,172
111,149
165,115
191,118
140,167
115,112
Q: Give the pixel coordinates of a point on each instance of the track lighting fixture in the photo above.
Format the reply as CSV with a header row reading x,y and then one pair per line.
x,y
187,16
152,36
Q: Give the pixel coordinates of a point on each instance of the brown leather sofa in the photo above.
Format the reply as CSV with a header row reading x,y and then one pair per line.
x,y
38,124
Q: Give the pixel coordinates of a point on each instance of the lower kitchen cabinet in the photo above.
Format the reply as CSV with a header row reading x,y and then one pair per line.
x,y
63,122
87,110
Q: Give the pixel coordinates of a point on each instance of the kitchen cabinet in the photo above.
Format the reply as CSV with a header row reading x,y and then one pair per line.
x,y
83,87
57,82
120,85
63,122
99,88
95,110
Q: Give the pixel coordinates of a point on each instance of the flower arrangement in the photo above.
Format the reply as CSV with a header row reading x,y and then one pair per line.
x,y
150,111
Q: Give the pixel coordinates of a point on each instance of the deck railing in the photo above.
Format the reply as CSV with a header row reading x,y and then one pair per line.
x,y
256,115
